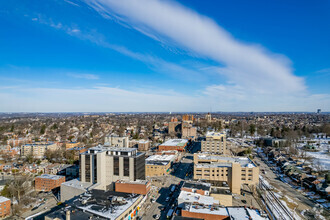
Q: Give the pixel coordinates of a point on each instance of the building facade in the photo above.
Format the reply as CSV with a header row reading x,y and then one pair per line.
x,y
105,165
47,182
188,131
114,140
235,171
215,143
5,207
174,144
136,187
38,149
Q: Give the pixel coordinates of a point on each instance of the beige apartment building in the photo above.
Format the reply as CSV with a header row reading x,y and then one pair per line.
x,y
105,165
216,169
38,149
215,143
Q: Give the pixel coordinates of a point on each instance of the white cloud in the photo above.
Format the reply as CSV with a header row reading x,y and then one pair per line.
x,y
110,99
246,65
84,76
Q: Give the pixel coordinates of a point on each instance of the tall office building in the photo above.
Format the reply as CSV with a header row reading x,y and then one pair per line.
x,y
105,165
215,143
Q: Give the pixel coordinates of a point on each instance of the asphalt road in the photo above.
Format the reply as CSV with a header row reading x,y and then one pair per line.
x,y
185,166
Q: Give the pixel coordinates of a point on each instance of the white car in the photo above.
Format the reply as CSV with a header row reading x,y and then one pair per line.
x,y
157,217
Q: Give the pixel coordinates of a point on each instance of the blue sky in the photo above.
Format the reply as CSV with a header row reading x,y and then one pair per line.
x,y
160,55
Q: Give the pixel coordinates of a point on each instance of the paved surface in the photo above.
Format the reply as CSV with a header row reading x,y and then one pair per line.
x,y
162,188
46,205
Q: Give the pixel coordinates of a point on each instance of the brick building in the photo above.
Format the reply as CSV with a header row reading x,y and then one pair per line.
x,y
174,144
136,187
47,182
5,207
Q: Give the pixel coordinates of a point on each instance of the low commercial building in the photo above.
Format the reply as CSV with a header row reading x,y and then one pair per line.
x,y
119,205
5,207
100,204
174,144
136,187
38,149
206,212
217,169
221,194
215,143
196,198
48,182
106,165
159,165
73,188
215,212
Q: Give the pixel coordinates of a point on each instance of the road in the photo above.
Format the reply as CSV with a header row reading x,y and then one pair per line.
x,y
185,165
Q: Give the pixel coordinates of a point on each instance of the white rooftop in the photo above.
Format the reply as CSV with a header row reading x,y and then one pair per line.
x,y
206,210
175,142
162,158
214,134
189,197
255,214
237,213
75,183
243,161
111,214
3,199
50,176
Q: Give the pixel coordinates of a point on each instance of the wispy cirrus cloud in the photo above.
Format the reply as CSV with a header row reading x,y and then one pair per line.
x,y
249,66
84,76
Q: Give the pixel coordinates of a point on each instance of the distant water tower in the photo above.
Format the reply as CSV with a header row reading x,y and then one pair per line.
x,y
318,111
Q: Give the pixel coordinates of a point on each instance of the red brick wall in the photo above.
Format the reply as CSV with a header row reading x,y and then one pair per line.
x,y
178,148
5,208
132,188
43,184
204,216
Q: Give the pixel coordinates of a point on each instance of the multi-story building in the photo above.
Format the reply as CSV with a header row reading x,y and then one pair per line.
x,y
115,140
188,131
38,149
173,126
143,145
233,170
4,207
159,165
47,182
105,165
188,118
215,143
173,144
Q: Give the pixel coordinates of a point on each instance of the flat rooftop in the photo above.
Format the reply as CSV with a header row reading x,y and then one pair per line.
x,y
75,183
214,134
206,209
163,158
243,161
3,199
197,185
175,142
101,148
141,182
50,176
190,197
106,204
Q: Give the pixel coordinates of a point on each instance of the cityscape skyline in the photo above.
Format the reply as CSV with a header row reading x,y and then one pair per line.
x,y
164,56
